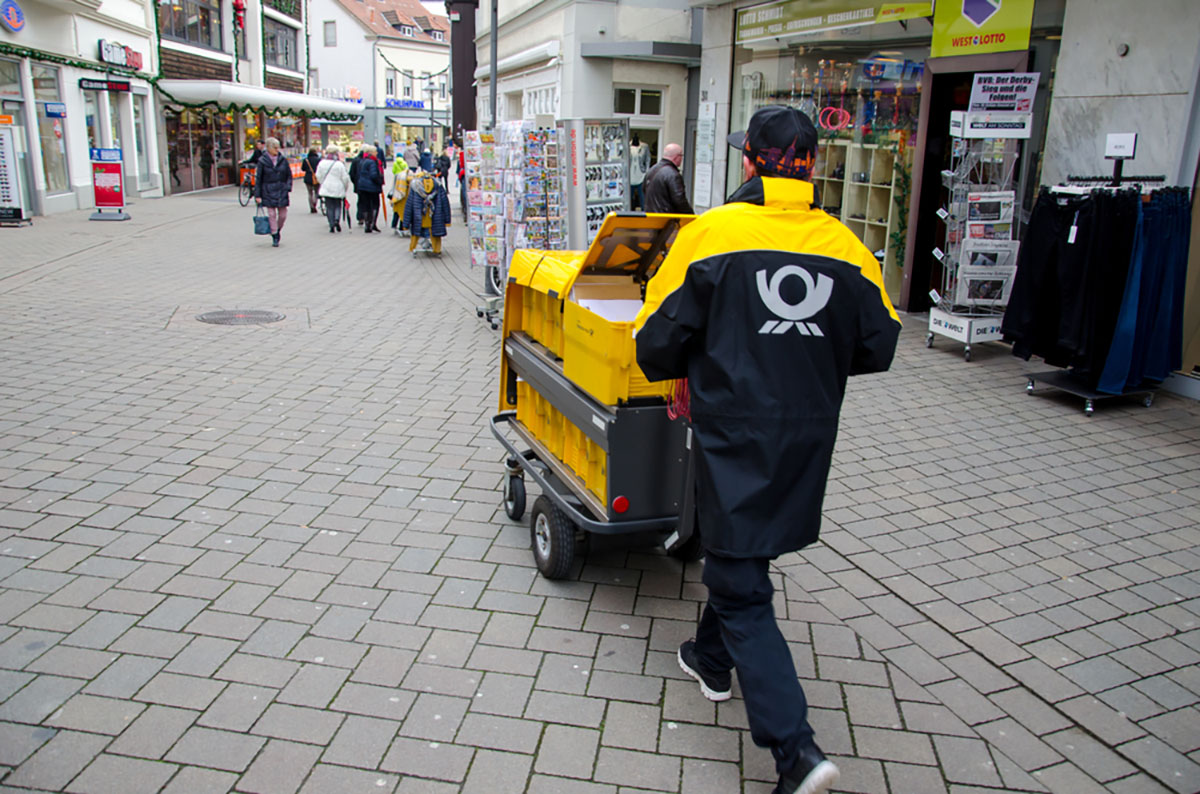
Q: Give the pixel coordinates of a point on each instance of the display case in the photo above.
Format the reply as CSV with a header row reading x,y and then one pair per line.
x,y
594,168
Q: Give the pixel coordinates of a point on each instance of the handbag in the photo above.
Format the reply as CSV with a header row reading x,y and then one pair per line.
x,y
262,224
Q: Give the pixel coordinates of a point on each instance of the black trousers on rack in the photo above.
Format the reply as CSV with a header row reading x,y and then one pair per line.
x,y
1070,279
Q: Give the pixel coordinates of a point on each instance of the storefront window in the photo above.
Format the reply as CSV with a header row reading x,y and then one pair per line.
x,y
191,21
864,98
279,44
114,121
10,78
139,135
50,128
16,109
290,134
91,117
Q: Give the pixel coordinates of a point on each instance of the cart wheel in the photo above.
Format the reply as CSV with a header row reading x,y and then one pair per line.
x,y
1089,407
967,353
495,325
1029,387
553,539
929,339
514,496
479,312
1148,401
690,551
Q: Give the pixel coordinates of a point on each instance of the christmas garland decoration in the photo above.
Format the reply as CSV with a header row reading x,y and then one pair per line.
x,y
409,75
62,60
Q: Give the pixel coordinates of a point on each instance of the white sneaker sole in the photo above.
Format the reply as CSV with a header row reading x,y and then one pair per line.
x,y
711,694
820,780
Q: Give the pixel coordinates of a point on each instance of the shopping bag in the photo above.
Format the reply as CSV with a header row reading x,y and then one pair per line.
x,y
262,224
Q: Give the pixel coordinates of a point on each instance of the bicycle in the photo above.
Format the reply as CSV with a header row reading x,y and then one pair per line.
x,y
246,185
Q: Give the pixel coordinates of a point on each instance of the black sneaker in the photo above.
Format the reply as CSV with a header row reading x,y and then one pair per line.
x,y
714,687
813,774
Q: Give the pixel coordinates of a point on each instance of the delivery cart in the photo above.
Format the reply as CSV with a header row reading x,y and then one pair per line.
x,y
577,414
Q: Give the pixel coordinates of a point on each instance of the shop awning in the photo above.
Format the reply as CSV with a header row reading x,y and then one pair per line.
x,y
792,17
655,51
238,96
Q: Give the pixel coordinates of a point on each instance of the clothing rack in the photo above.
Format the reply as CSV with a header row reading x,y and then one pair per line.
x,y
1063,379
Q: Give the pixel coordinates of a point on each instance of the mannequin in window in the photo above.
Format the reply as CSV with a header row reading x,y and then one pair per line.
x,y
639,164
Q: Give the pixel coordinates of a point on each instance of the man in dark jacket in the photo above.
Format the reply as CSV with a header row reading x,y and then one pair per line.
x,y
368,182
352,168
663,185
765,305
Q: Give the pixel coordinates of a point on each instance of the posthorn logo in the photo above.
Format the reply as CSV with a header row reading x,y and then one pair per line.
x,y
816,296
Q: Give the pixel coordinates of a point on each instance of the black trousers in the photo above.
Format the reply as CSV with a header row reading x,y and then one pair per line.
x,y
738,631
368,207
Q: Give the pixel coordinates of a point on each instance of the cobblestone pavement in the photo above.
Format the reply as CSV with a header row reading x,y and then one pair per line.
x,y
272,559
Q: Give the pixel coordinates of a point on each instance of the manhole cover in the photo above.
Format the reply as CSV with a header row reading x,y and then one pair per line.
x,y
240,317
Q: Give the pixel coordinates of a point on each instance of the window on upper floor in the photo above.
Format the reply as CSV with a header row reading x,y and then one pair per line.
x,y
406,30
192,22
330,33
391,82
437,35
279,44
408,86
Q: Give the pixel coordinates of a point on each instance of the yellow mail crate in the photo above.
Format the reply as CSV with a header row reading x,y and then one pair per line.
x,y
600,357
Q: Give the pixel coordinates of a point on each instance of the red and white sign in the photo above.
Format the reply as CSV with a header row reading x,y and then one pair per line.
x,y
107,185
120,55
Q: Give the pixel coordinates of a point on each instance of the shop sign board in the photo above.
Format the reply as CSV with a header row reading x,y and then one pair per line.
x,y
790,17
119,55
11,208
107,187
964,124
407,104
92,84
11,16
56,110
972,27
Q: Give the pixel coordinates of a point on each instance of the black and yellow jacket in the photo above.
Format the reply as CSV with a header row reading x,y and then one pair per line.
x,y
765,305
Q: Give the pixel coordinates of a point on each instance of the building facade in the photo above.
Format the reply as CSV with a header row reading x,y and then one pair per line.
x,y
394,57
587,59
234,72
76,76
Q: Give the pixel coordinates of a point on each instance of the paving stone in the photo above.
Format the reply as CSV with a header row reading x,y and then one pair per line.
x,y
18,742
698,741
326,779
63,660
361,742
492,771
966,761
280,768
238,707
38,699
1092,757
58,761
428,759
95,714
223,750
114,774
153,733
567,751
181,691
499,733
642,770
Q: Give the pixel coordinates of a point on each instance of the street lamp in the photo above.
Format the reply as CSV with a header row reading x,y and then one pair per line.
x,y
431,89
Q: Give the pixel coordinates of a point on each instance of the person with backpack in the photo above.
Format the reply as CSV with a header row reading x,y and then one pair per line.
x,y
309,166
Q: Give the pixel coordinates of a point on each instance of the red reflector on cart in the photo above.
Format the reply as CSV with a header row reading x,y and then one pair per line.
x,y
620,504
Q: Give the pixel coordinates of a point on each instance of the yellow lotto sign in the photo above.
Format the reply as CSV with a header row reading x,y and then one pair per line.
x,y
971,27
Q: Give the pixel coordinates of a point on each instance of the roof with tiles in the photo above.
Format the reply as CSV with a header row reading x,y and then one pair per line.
x,y
385,18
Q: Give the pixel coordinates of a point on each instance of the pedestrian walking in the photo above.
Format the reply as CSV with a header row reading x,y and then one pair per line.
x,y
412,156
639,164
427,161
273,187
663,186
355,163
443,168
369,184
309,166
334,181
398,194
765,305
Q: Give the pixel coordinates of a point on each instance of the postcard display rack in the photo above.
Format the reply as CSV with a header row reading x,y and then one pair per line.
x,y
594,164
980,258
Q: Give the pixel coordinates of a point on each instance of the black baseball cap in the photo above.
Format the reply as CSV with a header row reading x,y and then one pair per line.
x,y
779,140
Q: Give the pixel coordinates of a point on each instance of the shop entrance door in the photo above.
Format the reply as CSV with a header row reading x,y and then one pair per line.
x,y
945,86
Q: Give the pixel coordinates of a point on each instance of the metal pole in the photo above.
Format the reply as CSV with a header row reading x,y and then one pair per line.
x,y
495,50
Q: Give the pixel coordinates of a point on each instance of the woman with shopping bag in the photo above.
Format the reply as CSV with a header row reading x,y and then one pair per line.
x,y
273,186
334,182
